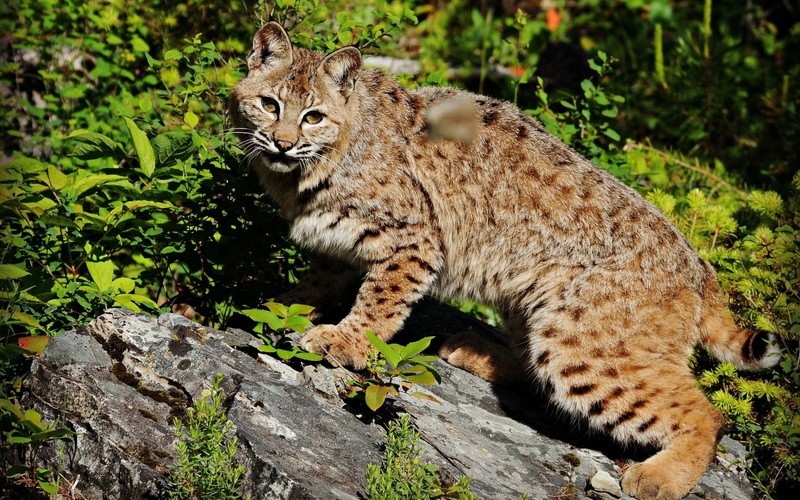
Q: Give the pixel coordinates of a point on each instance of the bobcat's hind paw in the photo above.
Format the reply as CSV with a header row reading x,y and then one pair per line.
x,y
481,357
338,347
647,481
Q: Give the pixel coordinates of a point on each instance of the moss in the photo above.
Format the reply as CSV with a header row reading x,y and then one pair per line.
x,y
147,414
571,459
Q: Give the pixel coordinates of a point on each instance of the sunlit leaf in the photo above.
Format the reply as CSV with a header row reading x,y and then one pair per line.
x,y
34,344
279,309
11,271
295,309
262,316
375,396
415,348
298,323
144,150
102,273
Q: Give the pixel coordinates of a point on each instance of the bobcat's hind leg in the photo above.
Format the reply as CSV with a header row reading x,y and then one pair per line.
x,y
482,357
489,360
688,430
651,402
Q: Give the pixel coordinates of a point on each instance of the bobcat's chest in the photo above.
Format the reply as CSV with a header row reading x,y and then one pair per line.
x,y
328,232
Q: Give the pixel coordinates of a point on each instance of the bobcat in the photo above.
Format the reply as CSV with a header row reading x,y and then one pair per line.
x,y
602,296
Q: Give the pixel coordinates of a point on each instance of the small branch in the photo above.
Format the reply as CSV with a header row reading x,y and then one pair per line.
x,y
674,159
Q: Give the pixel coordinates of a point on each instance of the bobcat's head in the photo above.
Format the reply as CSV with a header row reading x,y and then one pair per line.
x,y
292,107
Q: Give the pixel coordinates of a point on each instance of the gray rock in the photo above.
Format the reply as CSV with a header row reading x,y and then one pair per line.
x,y
603,486
122,380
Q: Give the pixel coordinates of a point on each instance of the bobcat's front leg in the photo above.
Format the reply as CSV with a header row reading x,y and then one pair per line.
x,y
392,285
328,281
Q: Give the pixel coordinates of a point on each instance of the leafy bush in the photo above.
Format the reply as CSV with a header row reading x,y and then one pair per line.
x,y
25,430
394,367
282,319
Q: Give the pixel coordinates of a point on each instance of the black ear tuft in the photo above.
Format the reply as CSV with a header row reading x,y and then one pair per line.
x,y
342,68
272,49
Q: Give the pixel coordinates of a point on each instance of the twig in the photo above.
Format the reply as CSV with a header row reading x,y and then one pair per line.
x,y
674,159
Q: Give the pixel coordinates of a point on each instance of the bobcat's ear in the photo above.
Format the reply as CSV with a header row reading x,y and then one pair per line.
x,y
272,49
342,67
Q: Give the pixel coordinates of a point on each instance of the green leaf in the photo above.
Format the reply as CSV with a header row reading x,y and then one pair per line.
x,y
172,147
124,285
296,309
375,396
172,54
26,319
191,119
10,407
17,470
262,316
611,133
130,301
392,356
11,272
34,418
15,437
144,151
48,487
285,355
415,348
267,347
138,45
55,434
55,178
308,356
279,309
425,377
298,323
86,182
102,273
91,145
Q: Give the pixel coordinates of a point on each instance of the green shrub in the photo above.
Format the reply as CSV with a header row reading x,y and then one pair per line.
x,y
402,476
392,368
206,467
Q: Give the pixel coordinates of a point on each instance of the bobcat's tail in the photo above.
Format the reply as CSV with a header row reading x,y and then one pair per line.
x,y
746,349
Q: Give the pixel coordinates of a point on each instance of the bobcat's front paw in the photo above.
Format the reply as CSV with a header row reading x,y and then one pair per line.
x,y
339,347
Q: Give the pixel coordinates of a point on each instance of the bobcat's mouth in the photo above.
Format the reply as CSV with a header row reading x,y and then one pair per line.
x,y
280,162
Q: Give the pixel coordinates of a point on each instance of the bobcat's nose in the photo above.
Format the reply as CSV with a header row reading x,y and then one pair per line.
x,y
283,146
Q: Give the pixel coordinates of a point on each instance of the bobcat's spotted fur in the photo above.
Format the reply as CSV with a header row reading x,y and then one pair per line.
x,y
602,295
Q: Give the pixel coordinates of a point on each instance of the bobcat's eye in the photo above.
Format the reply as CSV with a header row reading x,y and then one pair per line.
x,y
313,117
270,105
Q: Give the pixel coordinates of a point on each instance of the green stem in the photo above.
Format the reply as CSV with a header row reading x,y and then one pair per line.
x,y
484,49
707,53
658,42
707,30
